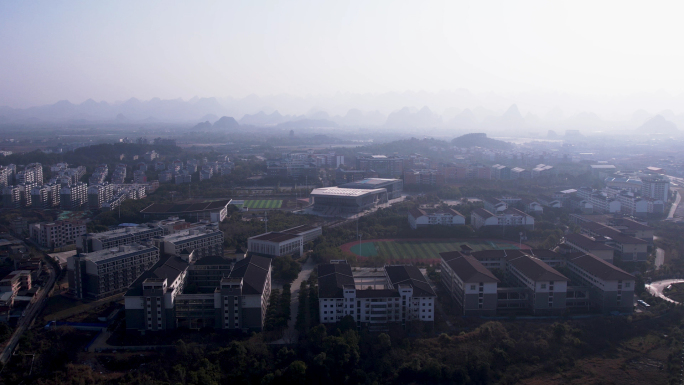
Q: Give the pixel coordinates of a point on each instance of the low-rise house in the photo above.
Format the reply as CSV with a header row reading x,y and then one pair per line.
x,y
428,217
510,217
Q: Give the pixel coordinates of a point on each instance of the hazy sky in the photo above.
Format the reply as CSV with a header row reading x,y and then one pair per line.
x,y
114,50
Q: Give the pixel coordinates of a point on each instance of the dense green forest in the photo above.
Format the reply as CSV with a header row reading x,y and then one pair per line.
x,y
498,352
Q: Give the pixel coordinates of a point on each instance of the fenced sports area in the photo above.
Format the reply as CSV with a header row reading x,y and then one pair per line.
x,y
420,250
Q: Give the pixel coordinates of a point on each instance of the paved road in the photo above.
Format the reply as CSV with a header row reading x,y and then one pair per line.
x,y
656,288
660,258
673,209
30,314
292,334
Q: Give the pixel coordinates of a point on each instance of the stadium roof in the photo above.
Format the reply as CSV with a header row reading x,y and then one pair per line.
x,y
369,182
345,192
179,208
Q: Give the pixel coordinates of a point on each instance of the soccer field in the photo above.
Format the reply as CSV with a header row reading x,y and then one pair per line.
x,y
263,204
415,250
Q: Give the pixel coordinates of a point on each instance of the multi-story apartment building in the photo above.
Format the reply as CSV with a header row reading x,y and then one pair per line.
x,y
119,174
276,244
385,166
541,171
207,273
583,244
103,273
599,201
405,297
16,281
204,241
139,176
628,248
6,176
655,188
184,178
39,197
520,173
501,172
73,197
307,232
156,301
165,176
547,287
471,284
57,234
99,194
612,289
286,242
11,197
151,155
533,285
424,177
429,217
118,237
99,175
33,173
634,205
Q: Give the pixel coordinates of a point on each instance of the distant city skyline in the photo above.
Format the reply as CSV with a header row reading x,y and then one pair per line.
x,y
605,52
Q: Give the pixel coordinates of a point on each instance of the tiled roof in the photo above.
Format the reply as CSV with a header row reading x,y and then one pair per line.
x,y
467,267
253,270
534,269
585,242
484,214
600,268
410,275
332,277
160,208
168,267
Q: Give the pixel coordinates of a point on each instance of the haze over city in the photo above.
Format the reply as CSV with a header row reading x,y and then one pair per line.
x,y
609,58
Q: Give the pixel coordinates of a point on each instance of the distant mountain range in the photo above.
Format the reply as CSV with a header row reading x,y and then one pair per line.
x,y
658,125
229,114
480,140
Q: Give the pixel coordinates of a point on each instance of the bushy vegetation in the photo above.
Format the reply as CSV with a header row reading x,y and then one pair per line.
x,y
491,352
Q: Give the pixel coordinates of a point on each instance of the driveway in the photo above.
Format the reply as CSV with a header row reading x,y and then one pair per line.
x,y
660,258
291,334
656,288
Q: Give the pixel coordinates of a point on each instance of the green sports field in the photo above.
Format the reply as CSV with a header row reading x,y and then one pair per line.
x,y
420,249
263,204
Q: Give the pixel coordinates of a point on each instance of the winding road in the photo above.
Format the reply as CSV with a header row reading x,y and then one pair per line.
x,y
656,288
27,319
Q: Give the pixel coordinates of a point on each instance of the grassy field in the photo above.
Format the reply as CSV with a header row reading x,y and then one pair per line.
x,y
420,249
263,204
